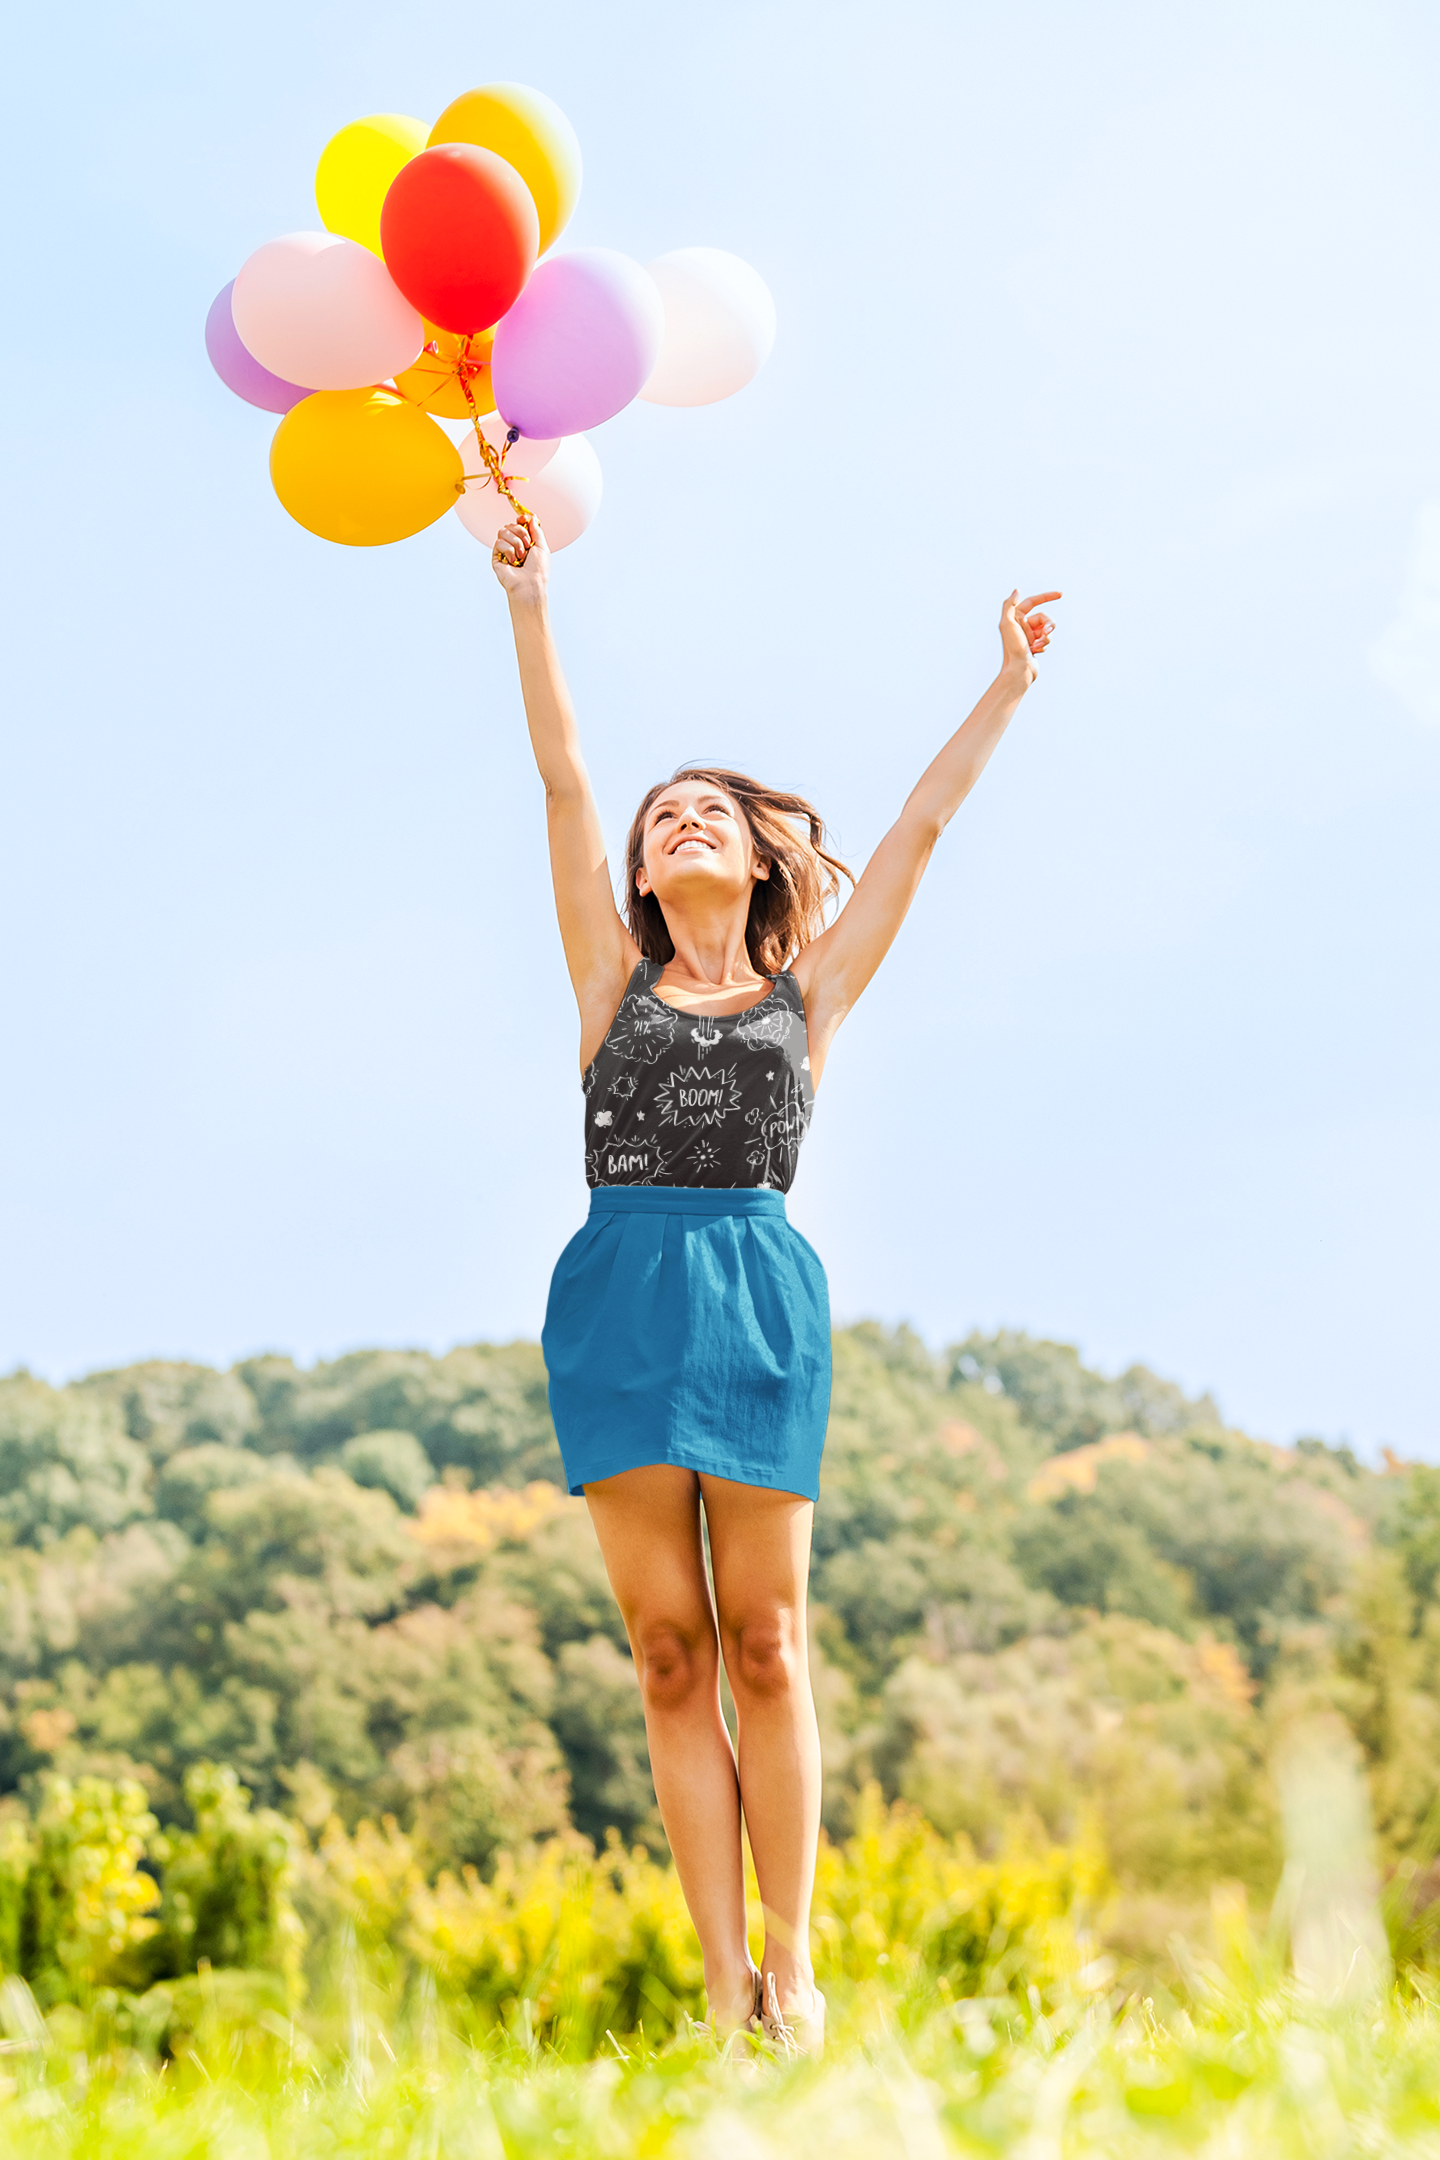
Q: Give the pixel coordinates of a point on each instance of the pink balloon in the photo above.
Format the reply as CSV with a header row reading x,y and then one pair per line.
x,y
578,343
719,326
565,497
317,309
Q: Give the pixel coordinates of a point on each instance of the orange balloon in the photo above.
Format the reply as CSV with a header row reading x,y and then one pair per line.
x,y
364,468
530,132
450,363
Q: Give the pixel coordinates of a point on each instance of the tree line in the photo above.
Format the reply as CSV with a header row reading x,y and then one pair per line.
x,y
1039,1592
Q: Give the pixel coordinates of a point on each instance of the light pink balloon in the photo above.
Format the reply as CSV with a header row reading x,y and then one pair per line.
x,y
321,310
719,326
578,343
526,456
565,497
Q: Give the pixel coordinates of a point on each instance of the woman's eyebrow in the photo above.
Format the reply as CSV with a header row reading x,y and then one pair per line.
x,y
705,802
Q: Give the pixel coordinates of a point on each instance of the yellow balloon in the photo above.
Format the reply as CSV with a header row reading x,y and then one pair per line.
x,y
530,132
355,171
434,382
363,467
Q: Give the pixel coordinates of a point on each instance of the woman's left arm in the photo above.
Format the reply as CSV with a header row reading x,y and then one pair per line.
x,y
833,970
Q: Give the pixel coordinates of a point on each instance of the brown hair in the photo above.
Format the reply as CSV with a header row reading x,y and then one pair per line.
x,y
787,909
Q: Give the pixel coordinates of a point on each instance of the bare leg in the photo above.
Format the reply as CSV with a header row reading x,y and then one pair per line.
x,y
760,1550
648,1524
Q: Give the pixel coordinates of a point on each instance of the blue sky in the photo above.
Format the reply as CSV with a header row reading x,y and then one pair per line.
x,y
1137,301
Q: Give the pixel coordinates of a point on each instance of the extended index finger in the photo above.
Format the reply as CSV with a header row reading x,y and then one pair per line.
x,y
1023,607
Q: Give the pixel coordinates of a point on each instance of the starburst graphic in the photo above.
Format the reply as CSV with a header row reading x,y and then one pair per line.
x,y
626,1162
698,1095
644,1029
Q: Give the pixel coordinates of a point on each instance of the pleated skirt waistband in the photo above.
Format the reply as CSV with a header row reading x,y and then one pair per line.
x,y
684,1200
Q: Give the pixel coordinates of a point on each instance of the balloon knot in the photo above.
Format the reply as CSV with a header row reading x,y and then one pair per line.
x,y
493,462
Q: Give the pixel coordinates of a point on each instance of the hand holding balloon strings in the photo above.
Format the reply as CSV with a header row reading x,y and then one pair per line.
x,y
521,559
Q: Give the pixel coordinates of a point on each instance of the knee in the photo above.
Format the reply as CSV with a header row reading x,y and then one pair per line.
x,y
765,1657
672,1666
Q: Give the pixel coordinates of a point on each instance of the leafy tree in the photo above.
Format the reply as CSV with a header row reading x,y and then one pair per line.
x,y
1119,1719
167,1407
1414,1531
392,1462
1084,1557
65,1459
599,1722
482,1409
228,1570
192,1474
1064,1399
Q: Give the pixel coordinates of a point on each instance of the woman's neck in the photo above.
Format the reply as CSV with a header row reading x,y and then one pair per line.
x,y
710,958
711,970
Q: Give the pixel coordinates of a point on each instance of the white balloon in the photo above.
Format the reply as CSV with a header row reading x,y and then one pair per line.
x,y
323,311
564,499
525,456
719,326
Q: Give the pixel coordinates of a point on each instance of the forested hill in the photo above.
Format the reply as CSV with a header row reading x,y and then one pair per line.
x,y
1038,1592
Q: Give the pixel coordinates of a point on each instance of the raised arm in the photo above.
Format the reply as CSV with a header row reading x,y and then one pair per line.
x,y
833,970
599,951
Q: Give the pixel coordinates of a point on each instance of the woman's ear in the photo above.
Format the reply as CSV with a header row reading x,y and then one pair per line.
x,y
760,868
642,882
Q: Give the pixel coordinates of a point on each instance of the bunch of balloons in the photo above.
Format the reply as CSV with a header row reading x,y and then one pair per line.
x,y
429,297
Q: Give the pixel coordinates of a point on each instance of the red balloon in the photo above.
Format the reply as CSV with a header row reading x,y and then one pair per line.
x,y
460,235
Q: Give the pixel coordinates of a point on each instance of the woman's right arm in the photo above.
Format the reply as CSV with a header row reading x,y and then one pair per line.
x,y
599,951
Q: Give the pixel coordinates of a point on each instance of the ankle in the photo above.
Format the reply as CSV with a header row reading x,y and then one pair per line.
x,y
795,1987
730,1997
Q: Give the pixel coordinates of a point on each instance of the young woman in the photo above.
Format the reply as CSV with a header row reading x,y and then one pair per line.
x,y
687,1336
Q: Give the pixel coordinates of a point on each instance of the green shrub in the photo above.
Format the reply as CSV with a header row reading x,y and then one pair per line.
x,y
226,1886
86,1904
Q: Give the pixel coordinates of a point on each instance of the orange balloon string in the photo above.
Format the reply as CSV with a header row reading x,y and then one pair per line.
x,y
492,459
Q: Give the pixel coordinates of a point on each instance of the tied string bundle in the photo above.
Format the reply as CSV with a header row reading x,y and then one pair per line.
x,y
495,467
493,460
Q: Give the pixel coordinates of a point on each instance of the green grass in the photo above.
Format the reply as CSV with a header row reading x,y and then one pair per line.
x,y
977,2007
1243,2070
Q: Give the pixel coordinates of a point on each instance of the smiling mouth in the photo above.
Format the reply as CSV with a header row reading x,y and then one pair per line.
x,y
692,843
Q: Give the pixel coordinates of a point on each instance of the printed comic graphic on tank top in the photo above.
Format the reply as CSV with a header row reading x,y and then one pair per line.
x,y
700,1099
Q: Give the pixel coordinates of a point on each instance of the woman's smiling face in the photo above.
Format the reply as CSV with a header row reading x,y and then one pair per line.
x,y
697,839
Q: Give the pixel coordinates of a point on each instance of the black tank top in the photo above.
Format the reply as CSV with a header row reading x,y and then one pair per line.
x,y
675,1098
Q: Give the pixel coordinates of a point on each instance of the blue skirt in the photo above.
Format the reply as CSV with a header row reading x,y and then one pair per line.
x,y
689,1325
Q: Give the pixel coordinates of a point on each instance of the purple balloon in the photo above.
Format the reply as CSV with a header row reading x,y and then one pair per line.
x,y
238,368
577,345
